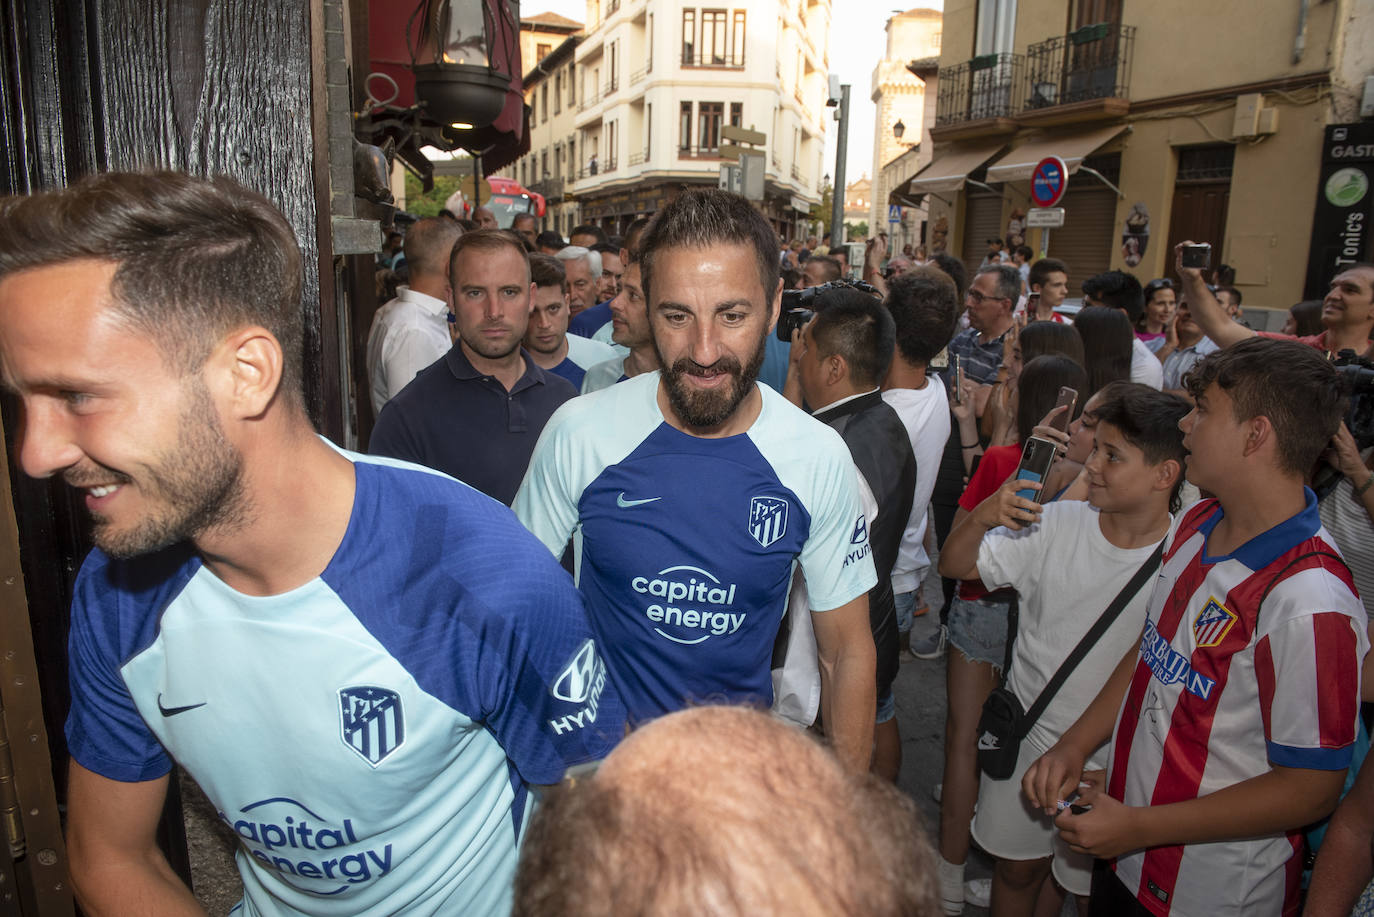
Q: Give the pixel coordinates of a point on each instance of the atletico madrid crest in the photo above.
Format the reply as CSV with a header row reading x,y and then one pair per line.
x,y
371,721
767,519
1213,623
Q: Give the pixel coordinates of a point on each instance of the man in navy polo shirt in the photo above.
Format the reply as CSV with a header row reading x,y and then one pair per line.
x,y
477,413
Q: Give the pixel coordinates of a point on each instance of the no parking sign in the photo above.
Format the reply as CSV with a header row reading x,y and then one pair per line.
x,y
1049,181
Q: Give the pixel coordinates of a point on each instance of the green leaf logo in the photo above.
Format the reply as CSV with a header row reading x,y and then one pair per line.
x,y
1347,187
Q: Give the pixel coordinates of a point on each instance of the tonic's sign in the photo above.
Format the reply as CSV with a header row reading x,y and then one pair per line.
x,y
1344,212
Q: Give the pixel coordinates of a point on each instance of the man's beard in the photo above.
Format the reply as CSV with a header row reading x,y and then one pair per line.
x,y
194,487
493,350
705,410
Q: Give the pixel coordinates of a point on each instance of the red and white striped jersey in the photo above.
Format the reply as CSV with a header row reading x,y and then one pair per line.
x,y
1226,687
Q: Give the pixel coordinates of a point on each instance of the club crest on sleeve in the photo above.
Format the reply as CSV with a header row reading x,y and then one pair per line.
x,y
371,721
1213,623
767,519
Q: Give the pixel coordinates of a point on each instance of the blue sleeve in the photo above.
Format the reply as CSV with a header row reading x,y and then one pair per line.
x,y
114,616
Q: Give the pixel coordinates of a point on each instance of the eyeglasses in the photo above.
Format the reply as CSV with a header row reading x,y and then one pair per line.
x,y
978,298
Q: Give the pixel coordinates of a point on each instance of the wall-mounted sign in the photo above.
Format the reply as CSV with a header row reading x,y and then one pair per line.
x,y
1345,206
1049,181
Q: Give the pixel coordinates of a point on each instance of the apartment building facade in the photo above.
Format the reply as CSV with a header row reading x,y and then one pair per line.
x,y
1176,121
901,140
655,81
551,163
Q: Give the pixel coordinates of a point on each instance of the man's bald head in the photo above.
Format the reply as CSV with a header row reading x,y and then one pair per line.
x,y
725,811
428,245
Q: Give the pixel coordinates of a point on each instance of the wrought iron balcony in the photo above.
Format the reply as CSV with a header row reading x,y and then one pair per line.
x,y
1093,62
981,88
731,60
550,188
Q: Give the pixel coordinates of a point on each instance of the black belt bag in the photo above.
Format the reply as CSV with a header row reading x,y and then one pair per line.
x,y
1005,722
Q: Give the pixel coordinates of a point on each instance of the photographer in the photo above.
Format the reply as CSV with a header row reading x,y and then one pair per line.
x,y
845,352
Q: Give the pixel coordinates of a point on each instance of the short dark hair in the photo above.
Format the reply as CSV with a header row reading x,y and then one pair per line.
x,y
486,240
607,248
790,278
1008,280
429,243
1040,338
1148,419
589,230
829,265
956,271
523,216
1307,315
1107,347
632,236
925,308
854,325
1025,251
1038,389
1291,384
549,239
1041,270
547,271
1119,290
1232,292
700,217
196,258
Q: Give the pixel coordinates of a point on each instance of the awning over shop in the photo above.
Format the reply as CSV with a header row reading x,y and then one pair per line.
x,y
947,172
1072,148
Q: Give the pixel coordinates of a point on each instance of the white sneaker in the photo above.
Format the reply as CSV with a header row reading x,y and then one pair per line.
x,y
931,646
978,892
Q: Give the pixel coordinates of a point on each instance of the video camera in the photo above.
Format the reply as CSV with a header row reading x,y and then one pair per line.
x,y
1357,374
798,306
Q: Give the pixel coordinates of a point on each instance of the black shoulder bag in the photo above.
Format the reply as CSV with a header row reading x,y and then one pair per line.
x,y
1004,723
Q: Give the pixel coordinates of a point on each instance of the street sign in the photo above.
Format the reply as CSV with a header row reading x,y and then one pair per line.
x,y
742,135
894,213
1049,181
1045,217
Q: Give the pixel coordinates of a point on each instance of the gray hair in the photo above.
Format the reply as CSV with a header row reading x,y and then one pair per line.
x,y
1008,281
578,253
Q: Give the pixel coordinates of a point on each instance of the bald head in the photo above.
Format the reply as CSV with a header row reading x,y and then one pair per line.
x,y
428,245
724,811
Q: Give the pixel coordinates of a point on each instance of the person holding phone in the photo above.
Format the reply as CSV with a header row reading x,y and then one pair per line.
x,y
1066,560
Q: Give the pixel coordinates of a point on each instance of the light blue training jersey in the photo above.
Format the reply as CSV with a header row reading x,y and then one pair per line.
x,y
685,546
371,735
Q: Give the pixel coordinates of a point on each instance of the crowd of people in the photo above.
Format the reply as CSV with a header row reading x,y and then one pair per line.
x,y
608,618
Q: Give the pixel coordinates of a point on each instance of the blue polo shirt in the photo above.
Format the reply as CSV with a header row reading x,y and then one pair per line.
x,y
457,420
589,321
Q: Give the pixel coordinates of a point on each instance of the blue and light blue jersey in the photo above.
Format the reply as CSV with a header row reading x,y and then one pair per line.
x,y
685,546
370,736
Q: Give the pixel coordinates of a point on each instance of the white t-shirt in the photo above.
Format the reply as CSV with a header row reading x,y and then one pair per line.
x,y
586,353
1145,366
1066,572
925,414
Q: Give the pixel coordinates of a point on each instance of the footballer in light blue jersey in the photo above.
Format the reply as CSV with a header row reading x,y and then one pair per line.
x,y
685,545
370,736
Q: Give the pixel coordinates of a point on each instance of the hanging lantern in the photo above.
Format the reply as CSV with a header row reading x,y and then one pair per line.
x,y
454,74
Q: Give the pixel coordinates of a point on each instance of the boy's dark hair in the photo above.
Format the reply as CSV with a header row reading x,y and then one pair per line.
x,y
1148,420
829,265
1040,338
1025,251
699,217
924,307
956,271
549,239
1292,384
588,229
1119,290
1106,335
854,325
633,234
196,258
790,278
547,271
1038,390
1231,292
1041,270
607,248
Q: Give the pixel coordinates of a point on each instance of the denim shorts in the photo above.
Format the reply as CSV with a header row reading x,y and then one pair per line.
x,y
887,707
978,629
905,603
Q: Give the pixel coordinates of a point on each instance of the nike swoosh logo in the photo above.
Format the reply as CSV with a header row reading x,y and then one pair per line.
x,y
621,502
173,711
987,742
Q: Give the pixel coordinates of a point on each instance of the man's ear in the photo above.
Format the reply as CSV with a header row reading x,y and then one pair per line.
x,y
776,307
1259,435
1166,474
836,369
249,366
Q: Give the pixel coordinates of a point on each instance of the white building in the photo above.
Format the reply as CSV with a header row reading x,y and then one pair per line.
x,y
656,80
900,96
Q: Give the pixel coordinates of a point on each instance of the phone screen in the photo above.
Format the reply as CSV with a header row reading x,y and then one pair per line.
x,y
954,365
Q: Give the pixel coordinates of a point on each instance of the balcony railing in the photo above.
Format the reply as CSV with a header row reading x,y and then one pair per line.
x,y
1091,63
984,87
639,75
589,101
698,152
551,188
730,61
611,87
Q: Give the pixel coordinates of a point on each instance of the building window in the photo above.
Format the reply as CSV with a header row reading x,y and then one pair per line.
x,y
684,132
649,44
572,84
689,36
648,130
541,51
558,160
544,100
615,67
557,92
720,42
611,150
543,165
708,126
737,39
737,114
714,38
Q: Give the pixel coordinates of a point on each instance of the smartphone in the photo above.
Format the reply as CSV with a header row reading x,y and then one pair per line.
x,y
1068,397
1032,301
1036,459
1198,256
955,364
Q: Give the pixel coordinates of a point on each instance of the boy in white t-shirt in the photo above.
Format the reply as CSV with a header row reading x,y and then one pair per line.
x,y
1068,560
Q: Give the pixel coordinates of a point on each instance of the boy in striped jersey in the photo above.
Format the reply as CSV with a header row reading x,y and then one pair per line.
x,y
1227,740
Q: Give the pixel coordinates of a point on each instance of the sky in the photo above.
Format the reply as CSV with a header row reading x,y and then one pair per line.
x,y
857,25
